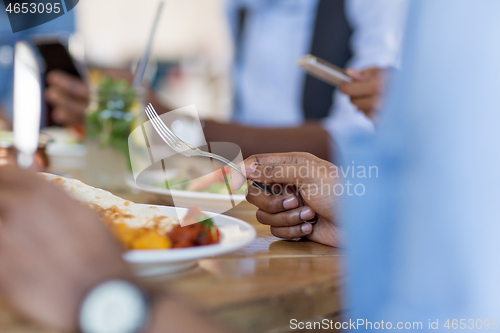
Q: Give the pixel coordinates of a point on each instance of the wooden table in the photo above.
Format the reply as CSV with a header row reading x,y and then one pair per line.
x,y
259,288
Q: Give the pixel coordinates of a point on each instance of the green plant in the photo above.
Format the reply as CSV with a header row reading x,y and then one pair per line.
x,y
111,117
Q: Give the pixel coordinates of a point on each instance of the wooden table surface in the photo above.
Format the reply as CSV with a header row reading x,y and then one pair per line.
x,y
258,288
263,286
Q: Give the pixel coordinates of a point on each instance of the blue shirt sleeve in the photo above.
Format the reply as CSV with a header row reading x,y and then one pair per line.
x,y
423,239
63,25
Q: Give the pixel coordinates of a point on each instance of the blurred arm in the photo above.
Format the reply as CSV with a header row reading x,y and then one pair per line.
x,y
79,253
171,315
70,99
310,137
4,123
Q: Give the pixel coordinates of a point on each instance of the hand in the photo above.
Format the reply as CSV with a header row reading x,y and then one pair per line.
x,y
52,250
4,123
301,176
366,90
69,96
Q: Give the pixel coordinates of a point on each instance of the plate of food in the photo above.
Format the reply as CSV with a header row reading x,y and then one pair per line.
x,y
160,240
206,189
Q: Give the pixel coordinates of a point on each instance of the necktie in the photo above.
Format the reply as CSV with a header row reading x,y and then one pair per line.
x,y
330,42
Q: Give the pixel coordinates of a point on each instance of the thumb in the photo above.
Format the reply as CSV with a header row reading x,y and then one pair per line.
x,y
238,179
354,74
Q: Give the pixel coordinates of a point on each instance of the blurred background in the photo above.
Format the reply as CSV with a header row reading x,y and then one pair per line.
x,y
191,54
190,63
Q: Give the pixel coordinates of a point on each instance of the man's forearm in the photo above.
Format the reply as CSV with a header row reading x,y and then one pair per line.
x,y
171,315
310,137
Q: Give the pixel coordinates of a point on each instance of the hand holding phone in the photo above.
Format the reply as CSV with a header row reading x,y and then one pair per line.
x,y
63,75
56,56
323,70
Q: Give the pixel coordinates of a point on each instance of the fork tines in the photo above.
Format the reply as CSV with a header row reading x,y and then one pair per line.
x,y
163,131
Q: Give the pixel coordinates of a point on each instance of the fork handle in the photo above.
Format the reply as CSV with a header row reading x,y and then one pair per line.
x,y
259,185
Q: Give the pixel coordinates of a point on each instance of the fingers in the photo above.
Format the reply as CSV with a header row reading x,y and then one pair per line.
x,y
282,158
282,213
367,83
237,181
272,203
361,88
249,166
297,231
4,123
64,116
372,72
365,74
287,218
72,85
365,92
69,96
356,75
67,108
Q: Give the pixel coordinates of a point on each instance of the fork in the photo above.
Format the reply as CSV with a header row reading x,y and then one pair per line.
x,y
188,150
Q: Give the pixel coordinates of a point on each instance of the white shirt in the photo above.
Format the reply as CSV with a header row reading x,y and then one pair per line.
x,y
277,33
378,27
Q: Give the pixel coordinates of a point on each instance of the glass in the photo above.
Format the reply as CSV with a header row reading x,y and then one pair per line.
x,y
115,109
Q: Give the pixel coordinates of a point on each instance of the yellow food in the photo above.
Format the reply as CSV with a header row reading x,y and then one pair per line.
x,y
138,227
150,240
140,238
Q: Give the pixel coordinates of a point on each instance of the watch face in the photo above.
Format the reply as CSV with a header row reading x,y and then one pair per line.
x,y
115,306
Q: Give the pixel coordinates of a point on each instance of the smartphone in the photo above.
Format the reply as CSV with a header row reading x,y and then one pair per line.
x,y
323,70
55,52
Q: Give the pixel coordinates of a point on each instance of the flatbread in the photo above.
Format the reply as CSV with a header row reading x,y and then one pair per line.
x,y
113,208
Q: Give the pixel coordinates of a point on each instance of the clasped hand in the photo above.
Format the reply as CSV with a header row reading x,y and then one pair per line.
x,y
305,203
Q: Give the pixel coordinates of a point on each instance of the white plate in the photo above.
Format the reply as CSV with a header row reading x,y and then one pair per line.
x,y
203,200
234,235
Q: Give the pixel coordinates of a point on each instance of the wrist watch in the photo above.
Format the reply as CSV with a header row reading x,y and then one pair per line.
x,y
114,306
